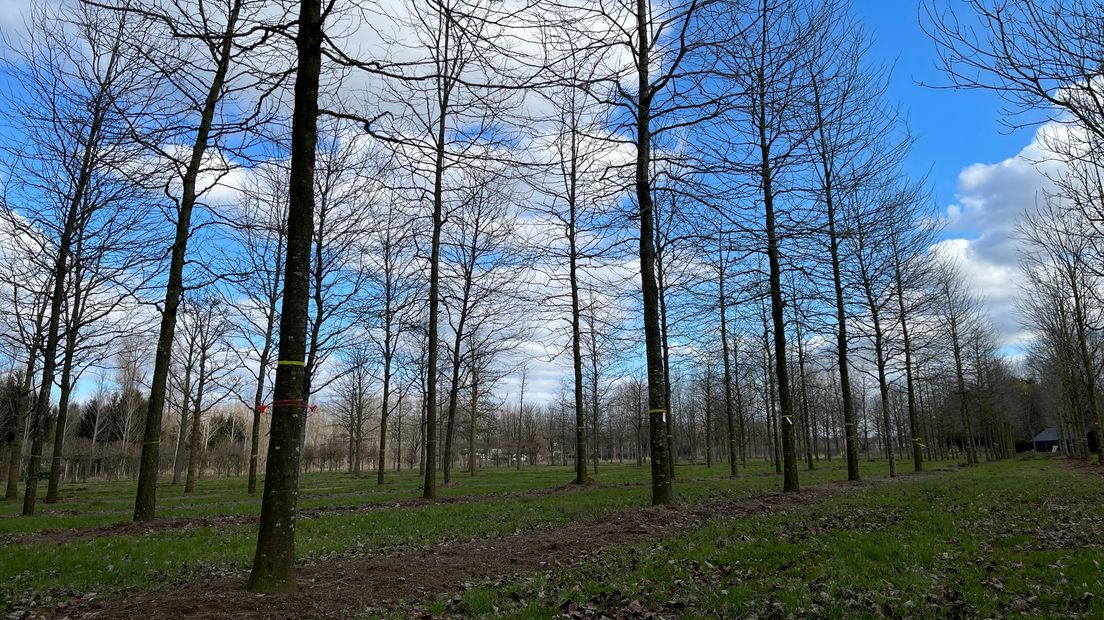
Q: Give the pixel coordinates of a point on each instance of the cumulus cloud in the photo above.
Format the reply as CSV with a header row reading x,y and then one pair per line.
x,y
990,200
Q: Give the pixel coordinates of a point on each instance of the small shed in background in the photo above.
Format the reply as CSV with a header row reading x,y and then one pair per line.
x,y
1046,440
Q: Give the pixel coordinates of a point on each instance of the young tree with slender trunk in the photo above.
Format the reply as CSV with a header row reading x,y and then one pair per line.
x,y
389,259
654,111
763,63
204,327
197,67
722,307
27,295
959,312
450,115
484,282
78,79
263,235
577,189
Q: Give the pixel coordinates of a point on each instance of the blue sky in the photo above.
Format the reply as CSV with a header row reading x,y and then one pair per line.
x,y
953,128
970,157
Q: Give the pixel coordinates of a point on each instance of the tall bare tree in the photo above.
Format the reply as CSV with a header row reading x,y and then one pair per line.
x,y
259,278
274,562
959,312
79,82
196,65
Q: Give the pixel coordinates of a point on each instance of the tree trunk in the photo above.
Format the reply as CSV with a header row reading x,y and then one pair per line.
x,y
729,417
594,406
880,356
53,327
381,463
15,458
179,461
474,417
145,501
657,407
274,563
454,385
708,426
577,353
910,387
194,439
66,379
672,456
429,486
805,422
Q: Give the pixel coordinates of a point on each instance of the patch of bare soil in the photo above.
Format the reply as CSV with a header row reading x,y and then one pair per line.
x,y
1091,466
177,524
345,587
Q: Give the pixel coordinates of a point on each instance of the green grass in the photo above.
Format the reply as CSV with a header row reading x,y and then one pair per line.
x,y
108,563
1003,539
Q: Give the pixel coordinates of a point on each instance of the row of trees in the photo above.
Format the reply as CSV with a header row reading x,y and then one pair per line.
x,y
394,209
345,431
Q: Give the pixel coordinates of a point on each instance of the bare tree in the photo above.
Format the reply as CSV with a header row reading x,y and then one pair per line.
x,y
204,328
578,188
484,281
959,313
79,82
1056,256
668,72
1040,56
390,264
764,61
844,103
195,63
909,240
874,267
25,292
448,115
274,562
258,281
353,392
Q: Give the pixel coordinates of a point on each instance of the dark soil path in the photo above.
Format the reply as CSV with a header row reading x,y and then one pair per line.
x,y
345,587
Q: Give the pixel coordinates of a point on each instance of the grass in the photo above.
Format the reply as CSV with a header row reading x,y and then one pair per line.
x,y
107,563
1013,538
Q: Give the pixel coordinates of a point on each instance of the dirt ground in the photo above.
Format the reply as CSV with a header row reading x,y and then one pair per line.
x,y
345,587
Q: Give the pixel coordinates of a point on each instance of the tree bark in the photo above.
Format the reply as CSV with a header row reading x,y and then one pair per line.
x,y
274,563
474,417
672,456
657,406
576,340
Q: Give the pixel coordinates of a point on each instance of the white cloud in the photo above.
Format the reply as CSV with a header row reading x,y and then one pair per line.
x,y
981,225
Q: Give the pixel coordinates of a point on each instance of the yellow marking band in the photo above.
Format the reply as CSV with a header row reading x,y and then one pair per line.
x,y
290,363
152,443
657,411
